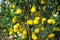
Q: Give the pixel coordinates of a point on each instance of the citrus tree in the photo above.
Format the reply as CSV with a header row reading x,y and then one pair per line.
x,y
30,19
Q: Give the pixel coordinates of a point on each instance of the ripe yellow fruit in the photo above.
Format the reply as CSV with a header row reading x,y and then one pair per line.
x,y
24,32
15,30
4,30
37,18
51,21
42,1
34,37
33,9
30,22
11,33
36,22
42,29
19,11
18,32
43,19
14,20
23,37
51,35
13,6
16,26
37,30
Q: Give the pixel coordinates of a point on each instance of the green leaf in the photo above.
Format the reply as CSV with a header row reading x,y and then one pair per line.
x,y
19,38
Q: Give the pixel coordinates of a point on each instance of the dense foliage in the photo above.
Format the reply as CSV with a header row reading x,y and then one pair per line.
x,y
30,19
